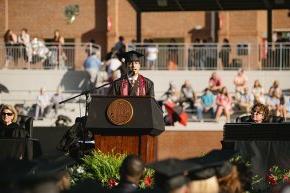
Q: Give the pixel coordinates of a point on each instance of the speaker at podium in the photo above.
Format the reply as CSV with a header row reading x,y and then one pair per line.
x,y
126,125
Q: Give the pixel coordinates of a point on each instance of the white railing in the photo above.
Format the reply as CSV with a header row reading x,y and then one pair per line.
x,y
214,56
40,55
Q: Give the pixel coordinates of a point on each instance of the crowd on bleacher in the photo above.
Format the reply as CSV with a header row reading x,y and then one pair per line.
x,y
34,49
216,100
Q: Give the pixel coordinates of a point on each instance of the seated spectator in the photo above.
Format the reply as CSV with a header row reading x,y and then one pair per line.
x,y
240,82
55,100
187,94
275,86
224,104
246,101
42,104
273,102
8,126
131,171
215,83
207,104
171,94
258,92
259,113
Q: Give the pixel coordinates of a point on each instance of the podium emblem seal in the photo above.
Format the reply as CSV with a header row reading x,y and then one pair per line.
x,y
120,112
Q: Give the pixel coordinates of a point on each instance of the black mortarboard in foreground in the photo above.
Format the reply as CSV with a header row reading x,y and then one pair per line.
x,y
216,162
26,171
129,56
170,174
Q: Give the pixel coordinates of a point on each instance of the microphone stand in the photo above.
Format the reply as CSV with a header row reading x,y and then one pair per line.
x,y
86,93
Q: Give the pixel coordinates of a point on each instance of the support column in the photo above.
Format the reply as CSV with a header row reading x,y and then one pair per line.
x,y
269,25
138,26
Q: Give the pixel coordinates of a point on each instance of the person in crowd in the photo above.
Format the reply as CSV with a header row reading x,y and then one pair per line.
x,y
240,82
151,55
113,66
10,40
215,83
172,94
273,101
202,178
246,101
8,126
132,84
60,55
187,94
259,113
120,46
258,92
56,98
42,104
276,87
224,104
225,53
92,65
24,40
170,176
207,104
131,171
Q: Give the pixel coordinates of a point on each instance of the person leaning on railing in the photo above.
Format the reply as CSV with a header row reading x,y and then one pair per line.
x,y
8,126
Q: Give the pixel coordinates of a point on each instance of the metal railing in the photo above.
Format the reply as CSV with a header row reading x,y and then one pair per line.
x,y
40,55
214,56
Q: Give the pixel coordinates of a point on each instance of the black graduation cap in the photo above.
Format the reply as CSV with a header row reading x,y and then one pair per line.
x,y
170,173
129,56
33,170
216,162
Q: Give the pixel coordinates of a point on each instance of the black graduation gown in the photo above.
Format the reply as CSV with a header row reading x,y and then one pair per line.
x,y
115,89
12,131
125,187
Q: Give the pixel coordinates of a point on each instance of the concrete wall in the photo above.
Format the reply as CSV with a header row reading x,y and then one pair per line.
x,y
32,80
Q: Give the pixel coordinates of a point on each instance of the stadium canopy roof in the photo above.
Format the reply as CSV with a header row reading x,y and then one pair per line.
x,y
207,5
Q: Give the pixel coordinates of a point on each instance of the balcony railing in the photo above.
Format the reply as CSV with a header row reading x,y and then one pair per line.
x,y
215,56
40,55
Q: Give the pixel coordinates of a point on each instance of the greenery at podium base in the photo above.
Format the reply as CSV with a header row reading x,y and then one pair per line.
x,y
104,168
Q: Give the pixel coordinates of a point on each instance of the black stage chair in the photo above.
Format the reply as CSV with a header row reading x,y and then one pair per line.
x,y
26,123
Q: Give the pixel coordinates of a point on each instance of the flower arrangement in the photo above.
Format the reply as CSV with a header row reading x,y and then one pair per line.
x,y
277,175
104,167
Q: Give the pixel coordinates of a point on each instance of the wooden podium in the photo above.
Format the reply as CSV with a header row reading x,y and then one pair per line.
x,y
126,125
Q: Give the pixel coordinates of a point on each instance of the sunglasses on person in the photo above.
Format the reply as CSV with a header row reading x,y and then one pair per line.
x,y
9,114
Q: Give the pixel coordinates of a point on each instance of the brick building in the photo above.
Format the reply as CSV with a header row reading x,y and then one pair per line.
x,y
41,18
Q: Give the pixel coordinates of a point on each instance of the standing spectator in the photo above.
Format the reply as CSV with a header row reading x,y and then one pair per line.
x,y
207,105
240,82
131,172
246,101
224,104
92,65
215,83
225,53
120,46
10,40
187,94
58,39
151,55
24,40
172,55
42,104
258,92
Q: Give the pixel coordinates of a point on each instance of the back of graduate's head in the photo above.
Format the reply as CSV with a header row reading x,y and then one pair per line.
x,y
132,168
